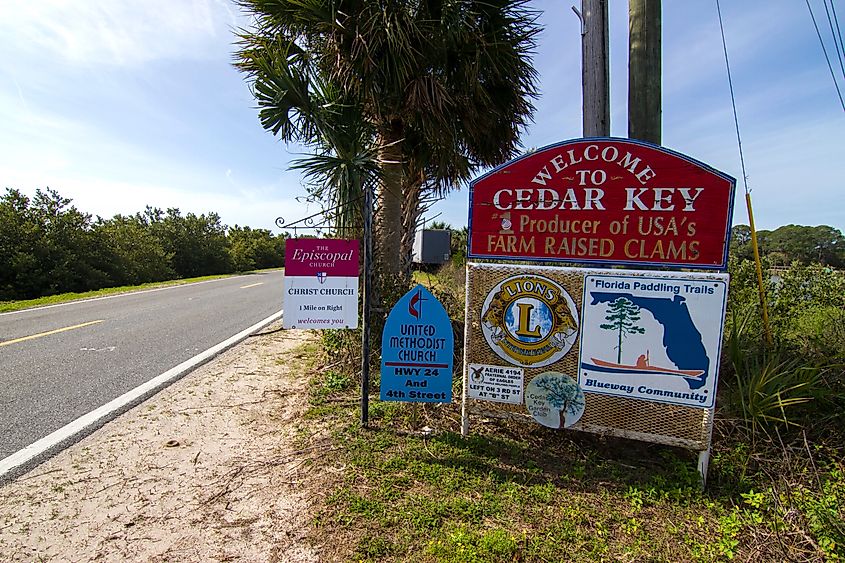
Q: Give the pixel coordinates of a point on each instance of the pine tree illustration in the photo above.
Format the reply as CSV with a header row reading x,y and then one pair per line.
x,y
622,316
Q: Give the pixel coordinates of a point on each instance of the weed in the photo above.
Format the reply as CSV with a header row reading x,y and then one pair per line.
x,y
769,382
729,527
330,383
466,545
373,548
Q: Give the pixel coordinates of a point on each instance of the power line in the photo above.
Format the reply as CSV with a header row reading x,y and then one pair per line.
x,y
754,243
733,99
824,50
836,45
838,31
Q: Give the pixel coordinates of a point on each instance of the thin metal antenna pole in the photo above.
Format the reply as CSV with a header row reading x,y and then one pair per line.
x,y
367,292
754,243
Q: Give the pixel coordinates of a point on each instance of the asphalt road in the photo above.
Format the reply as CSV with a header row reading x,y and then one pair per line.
x,y
112,345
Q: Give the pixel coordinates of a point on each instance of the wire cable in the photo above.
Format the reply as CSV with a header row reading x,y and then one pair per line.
x,y
838,31
754,243
824,50
839,53
733,99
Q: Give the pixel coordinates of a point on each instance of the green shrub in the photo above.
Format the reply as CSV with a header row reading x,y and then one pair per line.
x,y
773,383
769,382
818,332
802,287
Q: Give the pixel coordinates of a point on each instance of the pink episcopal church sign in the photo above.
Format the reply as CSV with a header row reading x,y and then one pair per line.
x,y
321,284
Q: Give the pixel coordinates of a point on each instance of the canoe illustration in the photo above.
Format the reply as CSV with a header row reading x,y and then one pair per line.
x,y
643,368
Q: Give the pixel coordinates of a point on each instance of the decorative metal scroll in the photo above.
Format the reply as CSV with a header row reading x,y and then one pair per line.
x,y
323,219
318,221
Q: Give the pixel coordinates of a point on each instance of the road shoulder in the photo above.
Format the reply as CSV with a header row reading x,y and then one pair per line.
x,y
212,468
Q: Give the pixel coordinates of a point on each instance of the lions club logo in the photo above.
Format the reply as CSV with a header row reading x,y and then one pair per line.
x,y
529,321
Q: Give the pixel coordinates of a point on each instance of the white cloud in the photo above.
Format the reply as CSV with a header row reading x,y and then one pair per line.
x,y
116,32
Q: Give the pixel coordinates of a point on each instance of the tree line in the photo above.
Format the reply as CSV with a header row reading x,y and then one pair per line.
x,y
823,245
48,246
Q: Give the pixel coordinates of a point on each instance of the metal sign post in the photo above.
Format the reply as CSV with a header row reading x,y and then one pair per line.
x,y
324,219
365,313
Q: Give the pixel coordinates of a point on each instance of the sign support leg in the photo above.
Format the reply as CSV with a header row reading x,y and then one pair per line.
x,y
464,413
367,290
703,463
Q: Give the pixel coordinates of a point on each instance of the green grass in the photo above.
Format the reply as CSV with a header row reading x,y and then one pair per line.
x,y
487,498
7,306
425,278
516,492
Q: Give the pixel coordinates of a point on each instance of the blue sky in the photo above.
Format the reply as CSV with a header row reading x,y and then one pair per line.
x,y
119,104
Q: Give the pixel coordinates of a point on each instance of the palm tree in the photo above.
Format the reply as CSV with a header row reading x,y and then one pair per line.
x,y
297,103
444,87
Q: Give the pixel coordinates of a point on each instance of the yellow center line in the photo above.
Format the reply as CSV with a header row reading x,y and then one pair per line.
x,y
251,285
48,333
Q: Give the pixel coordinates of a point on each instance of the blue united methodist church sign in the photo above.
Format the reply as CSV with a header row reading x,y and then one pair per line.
x,y
417,347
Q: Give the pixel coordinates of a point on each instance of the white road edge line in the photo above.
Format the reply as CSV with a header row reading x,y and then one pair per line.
x,y
116,295
71,429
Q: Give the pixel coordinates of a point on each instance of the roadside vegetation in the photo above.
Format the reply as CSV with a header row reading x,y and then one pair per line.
x,y
412,489
49,247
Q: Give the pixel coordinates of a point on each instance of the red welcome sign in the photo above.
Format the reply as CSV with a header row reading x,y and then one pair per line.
x,y
607,200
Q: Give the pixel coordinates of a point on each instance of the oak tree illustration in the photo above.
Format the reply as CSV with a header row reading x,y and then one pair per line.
x,y
562,394
622,317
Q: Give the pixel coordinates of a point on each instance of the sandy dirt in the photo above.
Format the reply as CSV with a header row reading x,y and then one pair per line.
x,y
217,467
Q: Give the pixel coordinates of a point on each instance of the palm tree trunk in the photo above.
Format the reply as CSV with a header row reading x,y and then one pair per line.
x,y
410,216
389,218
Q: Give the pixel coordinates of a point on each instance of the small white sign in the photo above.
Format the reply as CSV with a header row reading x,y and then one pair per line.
x,y
495,383
312,303
554,400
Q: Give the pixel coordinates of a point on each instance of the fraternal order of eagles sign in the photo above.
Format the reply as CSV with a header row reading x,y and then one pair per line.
x,y
605,200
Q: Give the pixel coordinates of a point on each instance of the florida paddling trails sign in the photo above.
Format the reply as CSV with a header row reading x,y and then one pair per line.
x,y
655,338
417,348
604,200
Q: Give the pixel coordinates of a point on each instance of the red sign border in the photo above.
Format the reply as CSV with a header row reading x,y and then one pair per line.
x,y
684,265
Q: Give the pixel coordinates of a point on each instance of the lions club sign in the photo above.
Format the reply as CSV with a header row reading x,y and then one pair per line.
x,y
529,320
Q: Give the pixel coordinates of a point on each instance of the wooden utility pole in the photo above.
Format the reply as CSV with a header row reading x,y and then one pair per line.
x,y
595,68
644,70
